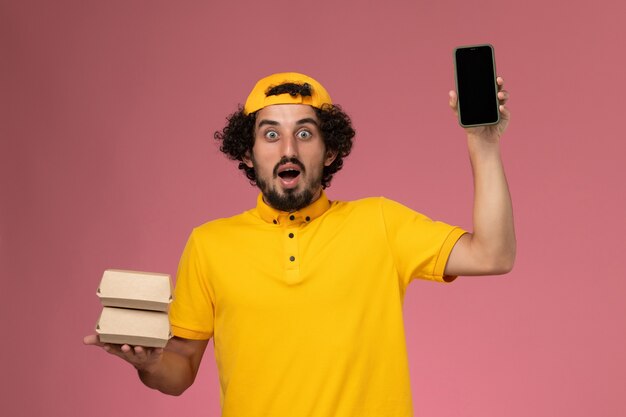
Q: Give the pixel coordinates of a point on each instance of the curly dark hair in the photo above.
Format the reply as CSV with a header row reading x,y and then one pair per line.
x,y
237,137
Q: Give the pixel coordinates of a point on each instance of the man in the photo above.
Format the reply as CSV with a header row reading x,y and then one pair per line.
x,y
303,296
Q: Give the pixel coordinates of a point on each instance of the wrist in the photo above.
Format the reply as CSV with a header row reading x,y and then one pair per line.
x,y
489,138
483,144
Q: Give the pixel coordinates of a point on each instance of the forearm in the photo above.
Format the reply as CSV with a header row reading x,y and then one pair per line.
x,y
494,233
172,375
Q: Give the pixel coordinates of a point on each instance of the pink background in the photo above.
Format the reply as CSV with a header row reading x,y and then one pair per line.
x,y
107,160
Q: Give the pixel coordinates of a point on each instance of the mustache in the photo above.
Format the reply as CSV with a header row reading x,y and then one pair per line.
x,y
285,160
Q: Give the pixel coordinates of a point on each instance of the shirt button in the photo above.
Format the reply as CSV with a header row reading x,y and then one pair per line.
x,y
292,217
292,258
291,235
308,219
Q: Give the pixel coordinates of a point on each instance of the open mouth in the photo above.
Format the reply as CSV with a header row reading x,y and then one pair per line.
x,y
289,175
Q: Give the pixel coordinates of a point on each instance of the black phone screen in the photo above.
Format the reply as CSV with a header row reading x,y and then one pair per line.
x,y
476,85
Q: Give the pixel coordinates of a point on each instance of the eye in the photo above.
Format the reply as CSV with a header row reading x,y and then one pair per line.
x,y
304,134
271,135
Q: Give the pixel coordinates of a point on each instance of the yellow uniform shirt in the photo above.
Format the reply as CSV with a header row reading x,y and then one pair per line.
x,y
306,308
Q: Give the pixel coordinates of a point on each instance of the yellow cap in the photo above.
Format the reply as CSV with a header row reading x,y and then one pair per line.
x,y
258,98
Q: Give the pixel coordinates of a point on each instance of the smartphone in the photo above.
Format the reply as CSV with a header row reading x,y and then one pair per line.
x,y
475,76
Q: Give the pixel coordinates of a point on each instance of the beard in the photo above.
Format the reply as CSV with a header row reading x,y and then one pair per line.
x,y
288,200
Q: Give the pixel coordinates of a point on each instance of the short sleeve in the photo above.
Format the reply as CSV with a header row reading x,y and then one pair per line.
x,y
192,311
419,245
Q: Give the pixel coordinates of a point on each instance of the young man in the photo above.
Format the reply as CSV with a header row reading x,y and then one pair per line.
x,y
303,296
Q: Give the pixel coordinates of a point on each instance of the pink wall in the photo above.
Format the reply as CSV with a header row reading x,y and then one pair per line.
x,y
107,160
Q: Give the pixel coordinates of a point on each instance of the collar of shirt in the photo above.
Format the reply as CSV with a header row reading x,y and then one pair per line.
x,y
304,215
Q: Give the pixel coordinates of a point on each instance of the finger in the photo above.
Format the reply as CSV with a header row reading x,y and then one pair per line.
x,y
122,351
118,350
114,349
504,112
503,96
500,83
146,353
453,99
140,354
92,339
128,353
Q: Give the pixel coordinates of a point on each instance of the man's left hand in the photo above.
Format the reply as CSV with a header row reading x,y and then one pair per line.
x,y
493,132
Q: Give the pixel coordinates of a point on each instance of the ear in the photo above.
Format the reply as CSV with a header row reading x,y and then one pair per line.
x,y
247,160
330,158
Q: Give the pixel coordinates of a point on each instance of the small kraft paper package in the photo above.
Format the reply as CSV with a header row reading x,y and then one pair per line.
x,y
135,308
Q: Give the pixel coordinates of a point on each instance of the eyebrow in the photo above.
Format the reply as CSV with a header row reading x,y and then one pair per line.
x,y
298,123
307,120
268,122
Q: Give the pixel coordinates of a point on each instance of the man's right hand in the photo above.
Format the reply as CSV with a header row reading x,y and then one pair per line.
x,y
171,370
142,358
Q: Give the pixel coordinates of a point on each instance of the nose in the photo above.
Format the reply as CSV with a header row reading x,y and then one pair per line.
x,y
289,147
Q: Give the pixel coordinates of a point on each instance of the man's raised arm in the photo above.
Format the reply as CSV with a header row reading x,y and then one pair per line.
x,y
490,249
